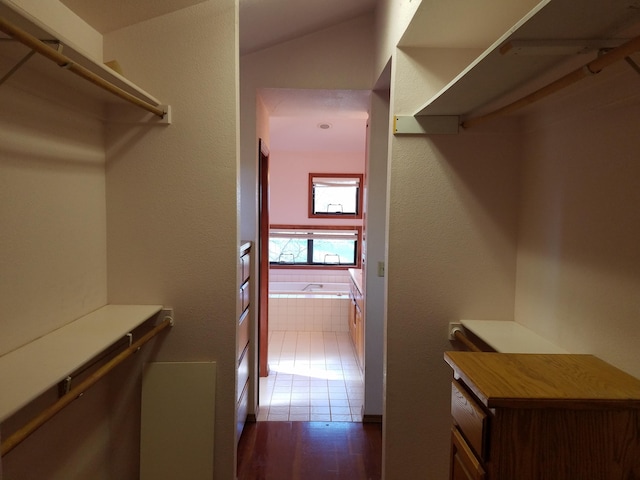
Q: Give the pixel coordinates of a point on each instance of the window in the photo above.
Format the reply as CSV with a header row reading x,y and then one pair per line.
x,y
319,246
335,195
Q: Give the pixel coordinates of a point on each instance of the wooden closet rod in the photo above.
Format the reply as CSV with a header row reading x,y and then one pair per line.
x,y
65,62
591,68
20,435
459,335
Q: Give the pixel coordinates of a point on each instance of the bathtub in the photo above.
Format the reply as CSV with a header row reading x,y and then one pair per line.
x,y
309,306
308,288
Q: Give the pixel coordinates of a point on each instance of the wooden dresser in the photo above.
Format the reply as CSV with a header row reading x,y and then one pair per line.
x,y
242,350
543,417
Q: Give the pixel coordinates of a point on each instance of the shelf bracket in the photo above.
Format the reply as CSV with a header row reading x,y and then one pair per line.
x,y
64,386
17,66
24,59
633,64
426,125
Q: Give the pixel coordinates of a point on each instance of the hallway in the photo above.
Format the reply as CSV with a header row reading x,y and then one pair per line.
x,y
314,376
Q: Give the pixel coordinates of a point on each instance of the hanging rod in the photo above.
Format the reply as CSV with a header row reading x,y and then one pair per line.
x,y
23,433
65,62
458,334
591,68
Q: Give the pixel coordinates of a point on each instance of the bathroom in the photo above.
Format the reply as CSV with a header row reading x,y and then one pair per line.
x,y
316,142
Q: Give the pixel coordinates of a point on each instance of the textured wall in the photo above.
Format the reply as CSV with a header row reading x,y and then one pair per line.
x,y
451,255
172,197
289,182
578,257
52,210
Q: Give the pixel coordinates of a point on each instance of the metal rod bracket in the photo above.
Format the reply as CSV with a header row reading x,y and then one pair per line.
x,y
64,386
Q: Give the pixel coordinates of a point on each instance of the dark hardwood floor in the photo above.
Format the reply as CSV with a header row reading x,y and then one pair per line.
x,y
310,451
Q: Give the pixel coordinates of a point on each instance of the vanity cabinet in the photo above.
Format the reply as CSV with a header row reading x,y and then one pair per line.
x,y
356,320
542,416
242,345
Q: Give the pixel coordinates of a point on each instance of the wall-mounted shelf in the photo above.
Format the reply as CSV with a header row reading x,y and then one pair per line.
x,y
509,337
92,78
30,370
548,35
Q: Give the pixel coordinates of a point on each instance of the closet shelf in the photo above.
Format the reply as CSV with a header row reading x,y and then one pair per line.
x,y
22,33
506,336
549,35
32,369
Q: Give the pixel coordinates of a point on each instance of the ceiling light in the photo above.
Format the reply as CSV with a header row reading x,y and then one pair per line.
x,y
324,126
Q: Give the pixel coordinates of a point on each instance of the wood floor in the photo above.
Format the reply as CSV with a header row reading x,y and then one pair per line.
x,y
310,451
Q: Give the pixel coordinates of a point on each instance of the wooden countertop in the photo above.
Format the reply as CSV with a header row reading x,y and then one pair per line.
x,y
506,380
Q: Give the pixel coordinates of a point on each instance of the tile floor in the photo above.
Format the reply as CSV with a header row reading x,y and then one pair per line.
x,y
314,377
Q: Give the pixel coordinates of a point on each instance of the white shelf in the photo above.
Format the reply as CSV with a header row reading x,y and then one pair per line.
x,y
510,337
12,51
592,23
32,369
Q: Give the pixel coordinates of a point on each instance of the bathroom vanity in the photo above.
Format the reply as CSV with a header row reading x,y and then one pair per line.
x,y
356,314
542,416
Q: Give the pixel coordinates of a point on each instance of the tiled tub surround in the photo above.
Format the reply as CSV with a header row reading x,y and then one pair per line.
x,y
314,376
292,308
308,313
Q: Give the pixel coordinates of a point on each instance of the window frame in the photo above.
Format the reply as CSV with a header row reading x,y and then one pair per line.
x,y
312,228
359,197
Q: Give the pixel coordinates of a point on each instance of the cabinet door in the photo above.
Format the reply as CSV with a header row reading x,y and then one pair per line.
x,y
352,320
359,326
464,464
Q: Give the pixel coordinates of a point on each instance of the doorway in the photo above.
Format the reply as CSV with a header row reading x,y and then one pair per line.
x,y
314,373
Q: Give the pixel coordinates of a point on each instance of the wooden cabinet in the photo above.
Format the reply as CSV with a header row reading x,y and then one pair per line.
x,y
356,321
548,416
243,334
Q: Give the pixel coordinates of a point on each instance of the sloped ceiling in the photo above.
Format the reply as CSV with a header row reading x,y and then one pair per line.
x,y
263,23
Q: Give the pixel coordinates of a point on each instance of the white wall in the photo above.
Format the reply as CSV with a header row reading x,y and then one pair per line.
x,y
578,257
376,247
451,255
53,257
157,225
289,183
337,58
172,208
52,211
391,19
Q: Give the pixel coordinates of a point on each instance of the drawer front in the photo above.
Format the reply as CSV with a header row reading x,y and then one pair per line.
x,y
242,408
243,333
245,267
243,372
244,296
470,418
464,465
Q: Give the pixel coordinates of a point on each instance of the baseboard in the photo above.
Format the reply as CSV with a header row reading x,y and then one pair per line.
x,y
372,419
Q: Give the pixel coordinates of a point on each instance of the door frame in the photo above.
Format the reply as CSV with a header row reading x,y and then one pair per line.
x,y
263,258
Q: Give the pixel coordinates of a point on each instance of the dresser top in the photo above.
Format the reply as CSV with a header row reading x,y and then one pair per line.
x,y
506,380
